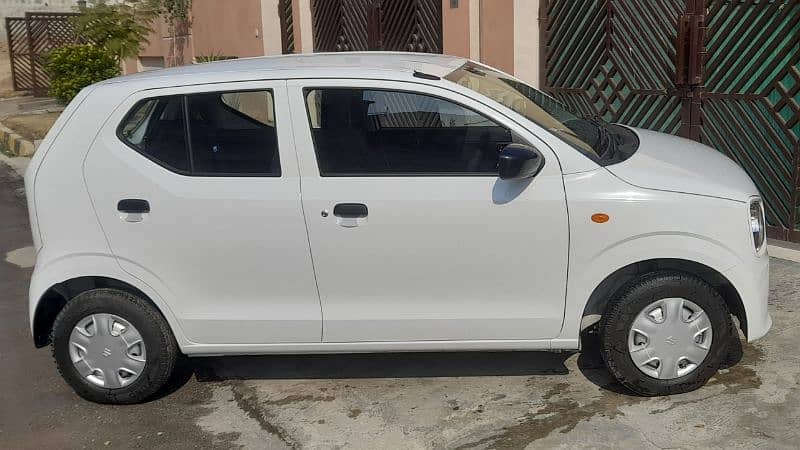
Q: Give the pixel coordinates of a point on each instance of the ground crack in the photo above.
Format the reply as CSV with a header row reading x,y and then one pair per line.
x,y
247,400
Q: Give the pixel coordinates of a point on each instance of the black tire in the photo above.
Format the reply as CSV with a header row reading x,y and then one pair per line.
x,y
622,310
162,350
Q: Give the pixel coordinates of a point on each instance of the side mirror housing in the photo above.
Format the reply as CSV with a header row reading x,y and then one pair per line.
x,y
518,162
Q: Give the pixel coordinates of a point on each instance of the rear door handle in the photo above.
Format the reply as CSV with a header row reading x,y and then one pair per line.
x,y
133,209
133,206
350,210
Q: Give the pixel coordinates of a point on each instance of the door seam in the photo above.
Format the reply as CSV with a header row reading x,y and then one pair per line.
x,y
288,103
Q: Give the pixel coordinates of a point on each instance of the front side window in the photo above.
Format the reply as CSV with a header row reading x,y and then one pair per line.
x,y
229,133
361,132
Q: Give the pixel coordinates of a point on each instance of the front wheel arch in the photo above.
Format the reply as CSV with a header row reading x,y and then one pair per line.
x,y
613,283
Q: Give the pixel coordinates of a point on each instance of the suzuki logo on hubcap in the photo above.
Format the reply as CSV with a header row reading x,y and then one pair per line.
x,y
106,352
671,340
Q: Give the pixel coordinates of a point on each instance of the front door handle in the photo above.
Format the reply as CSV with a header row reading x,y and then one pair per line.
x,y
350,210
133,209
350,215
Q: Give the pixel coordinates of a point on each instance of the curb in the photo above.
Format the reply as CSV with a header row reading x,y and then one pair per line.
x,y
14,143
781,252
17,163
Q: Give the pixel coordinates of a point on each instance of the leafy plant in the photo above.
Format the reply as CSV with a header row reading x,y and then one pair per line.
x,y
73,67
213,57
175,10
121,27
176,13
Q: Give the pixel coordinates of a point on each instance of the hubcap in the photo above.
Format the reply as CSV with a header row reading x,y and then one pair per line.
x,y
670,338
107,350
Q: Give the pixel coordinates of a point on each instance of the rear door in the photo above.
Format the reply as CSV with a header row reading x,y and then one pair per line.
x,y
198,191
413,235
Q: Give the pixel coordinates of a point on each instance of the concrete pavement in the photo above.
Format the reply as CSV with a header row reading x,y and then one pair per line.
x,y
435,400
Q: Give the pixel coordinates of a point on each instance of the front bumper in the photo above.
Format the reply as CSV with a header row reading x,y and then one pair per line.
x,y
751,281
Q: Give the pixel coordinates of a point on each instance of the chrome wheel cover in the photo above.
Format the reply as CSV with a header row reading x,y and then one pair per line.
x,y
670,338
107,350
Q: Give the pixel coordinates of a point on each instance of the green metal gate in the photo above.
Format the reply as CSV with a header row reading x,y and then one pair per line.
x,y
723,72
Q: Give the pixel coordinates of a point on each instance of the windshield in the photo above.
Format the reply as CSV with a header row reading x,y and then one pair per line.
x,y
590,135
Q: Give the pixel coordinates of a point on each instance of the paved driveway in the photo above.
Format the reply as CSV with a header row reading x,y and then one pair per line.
x,y
436,400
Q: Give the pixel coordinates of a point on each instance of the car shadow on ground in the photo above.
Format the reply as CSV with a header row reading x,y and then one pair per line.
x,y
406,365
395,365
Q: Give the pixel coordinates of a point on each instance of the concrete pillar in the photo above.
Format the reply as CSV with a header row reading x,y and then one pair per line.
x,y
526,41
302,25
271,27
475,29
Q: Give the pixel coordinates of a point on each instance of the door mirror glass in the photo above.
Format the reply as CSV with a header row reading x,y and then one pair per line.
x,y
519,161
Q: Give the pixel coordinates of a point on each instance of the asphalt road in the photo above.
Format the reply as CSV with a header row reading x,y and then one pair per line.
x,y
435,400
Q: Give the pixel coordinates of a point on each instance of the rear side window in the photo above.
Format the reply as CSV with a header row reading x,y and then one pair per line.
x,y
362,132
156,127
208,134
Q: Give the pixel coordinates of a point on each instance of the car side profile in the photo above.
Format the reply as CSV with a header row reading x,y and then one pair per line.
x,y
379,202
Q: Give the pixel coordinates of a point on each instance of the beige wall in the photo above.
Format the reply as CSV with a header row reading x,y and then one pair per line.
x,y
230,28
501,33
497,34
162,45
456,29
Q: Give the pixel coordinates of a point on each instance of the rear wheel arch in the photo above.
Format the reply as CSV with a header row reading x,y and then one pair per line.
x,y
616,281
56,297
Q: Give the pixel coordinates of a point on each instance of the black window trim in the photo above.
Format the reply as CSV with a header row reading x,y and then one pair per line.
x,y
308,89
188,137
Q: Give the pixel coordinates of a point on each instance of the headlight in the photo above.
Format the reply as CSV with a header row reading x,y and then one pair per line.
x,y
757,223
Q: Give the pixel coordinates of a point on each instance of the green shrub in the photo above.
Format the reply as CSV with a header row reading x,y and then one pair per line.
x,y
73,67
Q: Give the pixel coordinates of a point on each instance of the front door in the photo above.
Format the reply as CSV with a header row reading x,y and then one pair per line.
x,y
197,190
413,236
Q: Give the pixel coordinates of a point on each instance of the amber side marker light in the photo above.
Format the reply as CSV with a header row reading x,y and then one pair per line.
x,y
600,218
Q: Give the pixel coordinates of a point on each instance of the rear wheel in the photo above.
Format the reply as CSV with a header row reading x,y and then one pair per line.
x,y
113,347
667,333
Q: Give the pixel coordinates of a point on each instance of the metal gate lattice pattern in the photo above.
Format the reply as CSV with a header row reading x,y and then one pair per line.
x,y
30,39
724,72
392,25
751,96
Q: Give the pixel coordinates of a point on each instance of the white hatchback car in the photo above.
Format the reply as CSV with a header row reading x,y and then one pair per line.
x,y
377,202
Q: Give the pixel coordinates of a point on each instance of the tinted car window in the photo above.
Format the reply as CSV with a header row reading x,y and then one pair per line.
x,y
156,128
233,133
381,132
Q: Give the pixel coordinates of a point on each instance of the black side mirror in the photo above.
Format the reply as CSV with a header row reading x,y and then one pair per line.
x,y
519,161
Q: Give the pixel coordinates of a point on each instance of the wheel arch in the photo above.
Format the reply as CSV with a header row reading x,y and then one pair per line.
x,y
614,282
56,297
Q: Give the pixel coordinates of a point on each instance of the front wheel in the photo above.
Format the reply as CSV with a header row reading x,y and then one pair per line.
x,y
667,333
113,347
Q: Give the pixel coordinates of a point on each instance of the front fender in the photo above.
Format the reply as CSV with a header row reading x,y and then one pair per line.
x,y
586,276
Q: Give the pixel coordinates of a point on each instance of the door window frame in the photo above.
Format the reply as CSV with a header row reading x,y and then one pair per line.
x,y
297,89
276,87
308,89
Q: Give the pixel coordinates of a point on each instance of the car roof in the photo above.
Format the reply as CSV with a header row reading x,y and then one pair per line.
x,y
384,65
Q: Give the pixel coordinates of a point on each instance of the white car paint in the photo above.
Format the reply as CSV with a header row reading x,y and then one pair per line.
x,y
247,231
433,250
708,173
440,263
